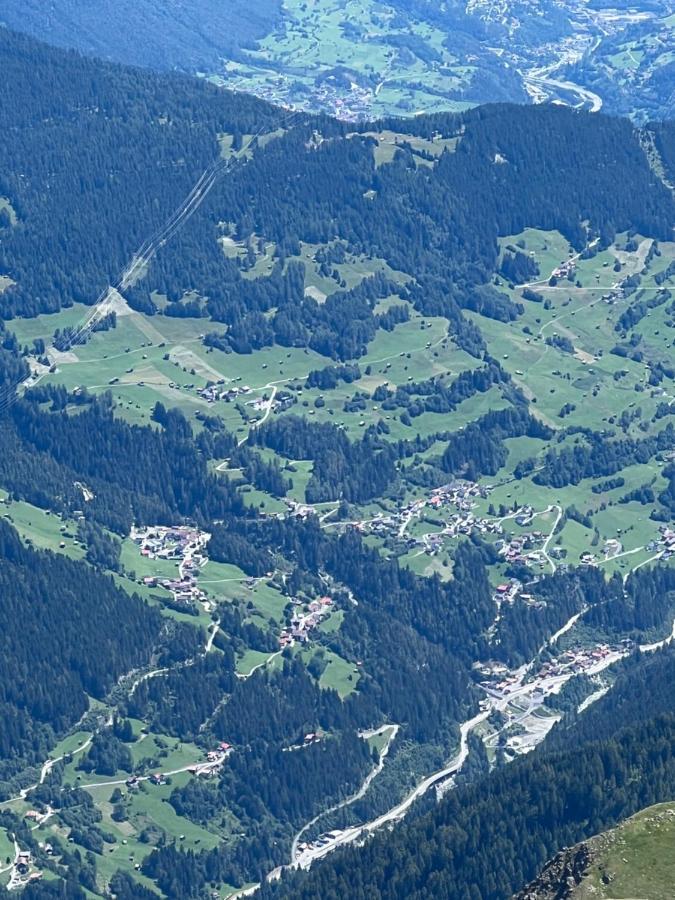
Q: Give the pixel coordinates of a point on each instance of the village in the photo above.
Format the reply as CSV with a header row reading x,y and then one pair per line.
x,y
520,695
327,93
213,392
501,682
304,619
518,700
183,544
460,497
663,546
529,547
458,494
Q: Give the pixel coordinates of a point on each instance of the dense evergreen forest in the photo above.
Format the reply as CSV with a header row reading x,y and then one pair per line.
x,y
46,597
231,666
455,210
488,840
146,33
95,137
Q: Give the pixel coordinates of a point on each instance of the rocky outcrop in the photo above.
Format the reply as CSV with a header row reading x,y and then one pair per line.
x,y
561,876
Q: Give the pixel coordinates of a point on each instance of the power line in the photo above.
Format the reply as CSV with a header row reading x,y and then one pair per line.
x,y
148,249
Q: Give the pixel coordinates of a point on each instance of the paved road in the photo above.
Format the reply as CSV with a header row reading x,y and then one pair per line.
x,y
548,540
268,409
551,86
375,771
260,665
349,835
647,648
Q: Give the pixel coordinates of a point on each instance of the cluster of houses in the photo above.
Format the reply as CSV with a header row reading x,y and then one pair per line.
x,y
500,681
211,765
215,760
468,524
170,542
576,662
353,108
460,494
381,525
322,841
612,547
521,547
611,296
305,618
299,510
23,871
23,862
432,542
282,400
617,292
183,544
328,94
665,542
213,392
507,592
313,737
184,590
566,269
219,391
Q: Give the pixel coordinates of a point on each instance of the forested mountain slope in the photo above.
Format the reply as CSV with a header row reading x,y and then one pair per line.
x,y
364,59
485,841
500,179
164,35
634,859
48,667
359,481
100,154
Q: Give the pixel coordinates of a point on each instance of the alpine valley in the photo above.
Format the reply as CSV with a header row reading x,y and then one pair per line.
x,y
337,467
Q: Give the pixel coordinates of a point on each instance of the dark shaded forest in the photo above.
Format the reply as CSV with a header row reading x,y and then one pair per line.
x,y
487,840
50,662
147,32
96,137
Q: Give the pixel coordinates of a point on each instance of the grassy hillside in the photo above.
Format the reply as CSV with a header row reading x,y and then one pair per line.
x,y
380,433
366,58
630,861
634,860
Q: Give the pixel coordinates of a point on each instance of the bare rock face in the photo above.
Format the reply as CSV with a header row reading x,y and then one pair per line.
x,y
561,876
